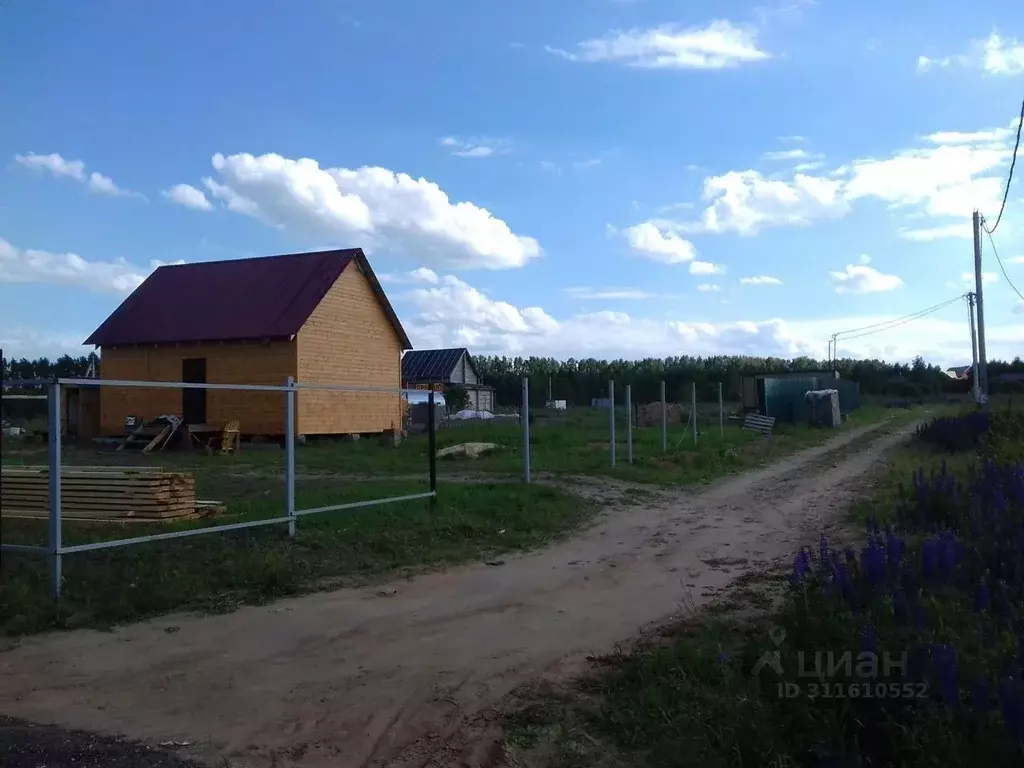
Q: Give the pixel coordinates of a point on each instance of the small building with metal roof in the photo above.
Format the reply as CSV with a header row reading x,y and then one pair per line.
x,y
319,317
439,368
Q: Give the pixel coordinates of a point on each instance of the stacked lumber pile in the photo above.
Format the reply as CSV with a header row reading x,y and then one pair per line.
x,y
100,493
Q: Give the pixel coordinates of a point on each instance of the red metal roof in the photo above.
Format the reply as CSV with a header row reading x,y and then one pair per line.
x,y
241,299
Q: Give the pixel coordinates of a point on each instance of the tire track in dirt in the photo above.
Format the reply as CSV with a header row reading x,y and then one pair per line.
x,y
352,678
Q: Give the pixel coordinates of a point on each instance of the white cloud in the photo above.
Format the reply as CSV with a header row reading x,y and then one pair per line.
x,y
860,278
967,279
104,185
659,244
1015,260
34,266
188,196
790,154
943,180
994,55
969,137
746,202
760,280
864,259
55,164
708,288
718,45
375,205
74,169
420,276
954,173
1002,56
24,341
456,311
706,268
609,293
472,147
929,234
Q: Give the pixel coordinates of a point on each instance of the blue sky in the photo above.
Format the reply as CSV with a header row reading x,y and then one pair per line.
x,y
585,178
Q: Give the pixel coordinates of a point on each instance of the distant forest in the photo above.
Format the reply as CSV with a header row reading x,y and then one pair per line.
x,y
579,381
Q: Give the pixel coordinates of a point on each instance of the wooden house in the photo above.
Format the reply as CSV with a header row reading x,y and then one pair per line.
x,y
438,368
320,317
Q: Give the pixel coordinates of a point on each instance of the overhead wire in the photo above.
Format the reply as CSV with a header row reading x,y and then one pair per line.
x,y
1000,262
885,325
1009,177
902,322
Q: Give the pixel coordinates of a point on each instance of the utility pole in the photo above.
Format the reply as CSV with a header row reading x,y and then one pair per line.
x,y
974,347
834,352
980,299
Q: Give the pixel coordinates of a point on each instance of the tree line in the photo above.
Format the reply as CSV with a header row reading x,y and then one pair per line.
x,y
580,381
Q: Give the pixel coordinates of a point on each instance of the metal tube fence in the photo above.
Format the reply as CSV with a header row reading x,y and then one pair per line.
x,y
721,413
524,416
693,410
611,420
664,420
629,423
55,549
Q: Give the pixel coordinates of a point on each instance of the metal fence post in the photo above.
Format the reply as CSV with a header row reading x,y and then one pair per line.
x,y
693,409
432,445
54,418
629,423
664,421
611,419
524,415
289,454
721,413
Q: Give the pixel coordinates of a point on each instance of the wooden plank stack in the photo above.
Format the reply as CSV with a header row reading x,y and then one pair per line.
x,y
100,493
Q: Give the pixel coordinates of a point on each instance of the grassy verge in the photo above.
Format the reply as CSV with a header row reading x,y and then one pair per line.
x,y
927,612
222,571
576,443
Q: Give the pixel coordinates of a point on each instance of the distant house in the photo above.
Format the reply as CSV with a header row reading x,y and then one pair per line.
x,y
959,372
438,368
319,317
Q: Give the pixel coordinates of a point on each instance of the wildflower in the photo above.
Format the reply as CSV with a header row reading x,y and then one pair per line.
x,y
801,566
900,608
983,597
981,695
868,639
945,667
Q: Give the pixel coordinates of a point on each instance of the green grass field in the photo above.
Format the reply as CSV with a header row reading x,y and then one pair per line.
x,y
481,510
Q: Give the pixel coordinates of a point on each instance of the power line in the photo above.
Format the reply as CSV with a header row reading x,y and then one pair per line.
x,y
886,324
1000,262
1009,177
904,321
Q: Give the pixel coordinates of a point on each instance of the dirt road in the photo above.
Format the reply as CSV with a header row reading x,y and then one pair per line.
x,y
405,675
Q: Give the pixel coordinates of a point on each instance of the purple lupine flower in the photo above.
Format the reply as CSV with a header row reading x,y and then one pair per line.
x,y
929,559
823,548
1011,705
918,663
868,639
872,561
900,608
945,668
801,566
981,695
983,597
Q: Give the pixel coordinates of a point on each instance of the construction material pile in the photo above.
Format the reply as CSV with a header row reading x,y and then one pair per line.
x,y
101,493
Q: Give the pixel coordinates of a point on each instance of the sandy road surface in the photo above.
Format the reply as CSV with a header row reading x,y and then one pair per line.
x,y
405,676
